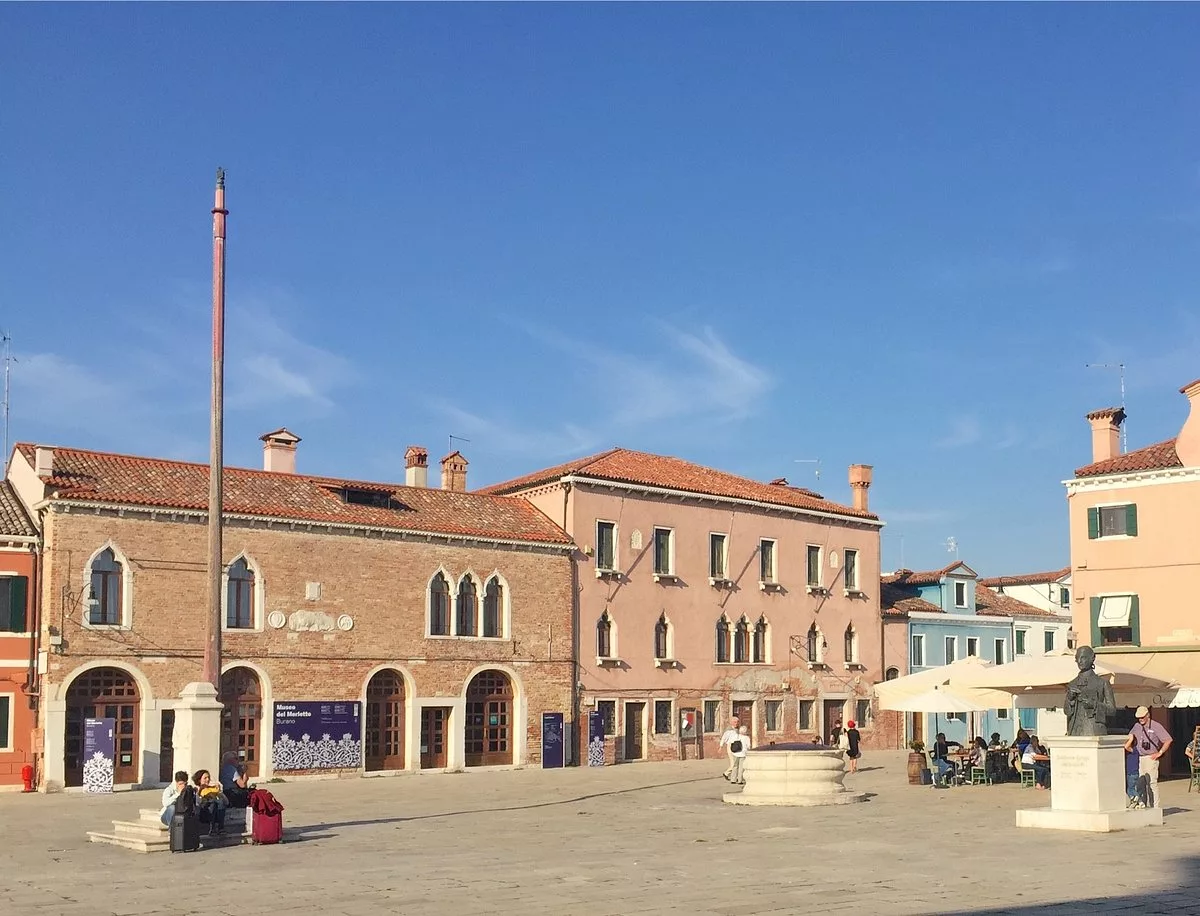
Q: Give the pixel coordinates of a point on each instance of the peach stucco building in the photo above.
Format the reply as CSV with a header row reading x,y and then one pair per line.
x,y
1135,559
703,595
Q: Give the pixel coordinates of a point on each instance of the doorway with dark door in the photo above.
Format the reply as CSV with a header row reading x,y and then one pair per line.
x,y
635,725
833,714
104,693
384,726
434,722
744,710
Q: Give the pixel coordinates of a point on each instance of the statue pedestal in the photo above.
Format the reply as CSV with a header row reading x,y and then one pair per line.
x,y
197,736
1087,788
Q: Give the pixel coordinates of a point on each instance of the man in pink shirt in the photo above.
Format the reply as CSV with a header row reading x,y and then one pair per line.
x,y
1149,740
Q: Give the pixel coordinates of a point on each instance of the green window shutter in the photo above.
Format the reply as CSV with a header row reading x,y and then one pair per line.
x,y
18,588
1093,523
1131,520
1135,620
1096,621
5,712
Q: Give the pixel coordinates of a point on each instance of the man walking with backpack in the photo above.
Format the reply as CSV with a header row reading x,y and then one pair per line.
x,y
1149,740
729,736
737,750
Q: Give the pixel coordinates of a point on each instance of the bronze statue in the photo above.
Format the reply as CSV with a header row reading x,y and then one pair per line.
x,y
1089,697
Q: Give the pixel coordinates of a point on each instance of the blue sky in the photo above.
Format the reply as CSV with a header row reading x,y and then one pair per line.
x,y
745,235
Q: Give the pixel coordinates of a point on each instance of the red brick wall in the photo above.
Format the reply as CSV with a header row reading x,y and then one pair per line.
x,y
381,584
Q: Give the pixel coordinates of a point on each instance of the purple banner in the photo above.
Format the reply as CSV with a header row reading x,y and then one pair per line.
x,y
595,739
553,746
321,735
99,747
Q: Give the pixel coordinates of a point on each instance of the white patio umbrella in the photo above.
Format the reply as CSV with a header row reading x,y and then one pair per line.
x,y
938,700
956,675
1057,669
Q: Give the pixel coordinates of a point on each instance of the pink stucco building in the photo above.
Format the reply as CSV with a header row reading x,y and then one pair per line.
x,y
1135,560
702,591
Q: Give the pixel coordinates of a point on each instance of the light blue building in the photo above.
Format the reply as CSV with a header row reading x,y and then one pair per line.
x,y
951,616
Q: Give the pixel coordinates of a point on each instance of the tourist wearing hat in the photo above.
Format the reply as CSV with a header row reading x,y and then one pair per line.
x,y
1149,740
852,745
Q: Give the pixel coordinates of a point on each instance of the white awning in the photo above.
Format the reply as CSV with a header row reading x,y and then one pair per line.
x,y
1114,610
1186,698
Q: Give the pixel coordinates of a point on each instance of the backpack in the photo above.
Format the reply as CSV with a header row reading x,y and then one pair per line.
x,y
736,746
185,804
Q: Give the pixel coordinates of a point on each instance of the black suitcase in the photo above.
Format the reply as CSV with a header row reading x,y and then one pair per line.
x,y
185,833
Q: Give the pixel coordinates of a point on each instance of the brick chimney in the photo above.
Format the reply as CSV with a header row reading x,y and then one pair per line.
x,y
1106,432
279,451
454,472
416,466
1187,445
860,483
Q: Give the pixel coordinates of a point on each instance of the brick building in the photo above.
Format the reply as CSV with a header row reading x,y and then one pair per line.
x,y
703,595
442,618
18,659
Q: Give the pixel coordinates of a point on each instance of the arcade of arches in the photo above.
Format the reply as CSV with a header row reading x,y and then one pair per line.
x,y
489,725
241,718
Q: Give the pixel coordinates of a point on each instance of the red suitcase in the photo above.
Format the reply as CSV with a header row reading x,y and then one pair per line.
x,y
267,825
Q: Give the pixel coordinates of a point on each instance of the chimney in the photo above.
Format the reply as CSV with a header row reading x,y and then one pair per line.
x,y
43,462
454,472
416,466
1106,432
279,451
860,482
1187,445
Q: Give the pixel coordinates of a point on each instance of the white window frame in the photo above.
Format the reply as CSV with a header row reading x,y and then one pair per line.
x,y
723,575
8,747
670,646
850,586
616,715
616,547
956,717
505,607
958,583
654,716
812,724
918,639
260,593
716,730
669,573
774,554
851,660
766,659
614,654
1049,640
975,640
808,548
1003,712
1022,635
429,634
126,590
867,720
468,574
947,642
1003,653
778,729
1100,535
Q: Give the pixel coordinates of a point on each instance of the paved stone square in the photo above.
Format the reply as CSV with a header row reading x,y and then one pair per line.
x,y
644,839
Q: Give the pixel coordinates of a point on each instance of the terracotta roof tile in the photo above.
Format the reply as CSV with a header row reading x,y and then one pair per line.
x,y
155,482
1042,578
1151,458
898,600
899,596
927,577
988,602
627,466
14,522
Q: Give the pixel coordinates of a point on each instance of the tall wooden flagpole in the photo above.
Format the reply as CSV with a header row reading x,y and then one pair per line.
x,y
216,482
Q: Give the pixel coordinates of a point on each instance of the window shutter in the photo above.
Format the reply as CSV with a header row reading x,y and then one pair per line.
x,y
1093,523
17,598
1135,619
1095,602
1131,520
5,711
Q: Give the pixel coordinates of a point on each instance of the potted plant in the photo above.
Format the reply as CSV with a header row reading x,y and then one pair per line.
x,y
916,762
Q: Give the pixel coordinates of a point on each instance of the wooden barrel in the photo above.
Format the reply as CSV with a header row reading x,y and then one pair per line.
x,y
916,763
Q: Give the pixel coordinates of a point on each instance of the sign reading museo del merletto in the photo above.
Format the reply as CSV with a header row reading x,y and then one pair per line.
x,y
317,735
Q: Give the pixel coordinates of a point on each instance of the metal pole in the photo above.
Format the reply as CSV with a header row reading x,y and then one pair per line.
x,y
212,642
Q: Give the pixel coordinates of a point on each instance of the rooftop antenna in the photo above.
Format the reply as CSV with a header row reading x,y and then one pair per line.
x,y
454,439
816,461
9,359
952,546
1119,367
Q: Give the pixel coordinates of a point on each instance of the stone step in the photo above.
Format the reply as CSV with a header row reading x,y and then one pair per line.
x,y
150,816
139,829
134,843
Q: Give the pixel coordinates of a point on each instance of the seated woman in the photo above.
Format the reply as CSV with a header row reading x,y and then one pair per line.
x,y
1037,759
210,802
978,756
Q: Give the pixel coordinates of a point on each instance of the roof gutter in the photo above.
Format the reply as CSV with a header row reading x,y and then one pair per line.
x,y
734,500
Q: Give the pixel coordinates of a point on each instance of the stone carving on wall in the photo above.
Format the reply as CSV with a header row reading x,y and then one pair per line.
x,y
311,621
345,622
277,620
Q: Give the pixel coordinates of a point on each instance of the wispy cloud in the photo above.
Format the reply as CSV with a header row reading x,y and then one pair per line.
x,y
964,431
695,376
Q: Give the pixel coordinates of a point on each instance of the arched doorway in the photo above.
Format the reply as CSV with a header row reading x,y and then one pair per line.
x,y
104,693
489,740
385,721
241,695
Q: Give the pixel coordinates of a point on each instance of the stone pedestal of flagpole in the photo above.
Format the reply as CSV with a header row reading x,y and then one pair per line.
x,y
197,735
1087,788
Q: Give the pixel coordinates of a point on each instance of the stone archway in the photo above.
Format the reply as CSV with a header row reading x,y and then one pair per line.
x,y
104,693
241,719
384,722
489,725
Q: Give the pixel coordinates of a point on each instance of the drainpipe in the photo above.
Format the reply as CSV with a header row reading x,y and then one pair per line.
x,y
33,681
574,668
